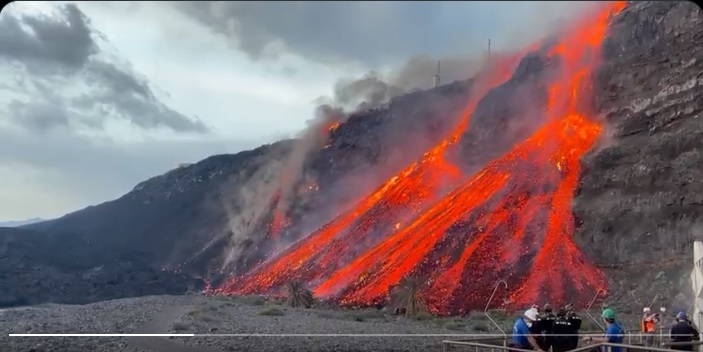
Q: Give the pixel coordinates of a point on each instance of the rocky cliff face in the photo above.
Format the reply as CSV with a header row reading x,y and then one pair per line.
x,y
640,203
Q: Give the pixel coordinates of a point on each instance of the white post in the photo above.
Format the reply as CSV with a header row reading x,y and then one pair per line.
x,y
697,284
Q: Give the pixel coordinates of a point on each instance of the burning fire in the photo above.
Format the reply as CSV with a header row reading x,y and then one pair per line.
x,y
511,220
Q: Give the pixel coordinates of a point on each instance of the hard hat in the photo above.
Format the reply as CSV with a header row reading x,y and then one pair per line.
x,y
608,313
681,315
646,310
531,314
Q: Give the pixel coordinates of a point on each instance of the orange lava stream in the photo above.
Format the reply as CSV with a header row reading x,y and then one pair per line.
x,y
398,253
411,188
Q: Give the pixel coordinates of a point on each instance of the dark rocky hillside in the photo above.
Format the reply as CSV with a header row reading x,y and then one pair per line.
x,y
638,205
164,221
40,267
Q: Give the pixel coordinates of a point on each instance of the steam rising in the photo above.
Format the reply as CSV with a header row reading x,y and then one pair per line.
x,y
272,186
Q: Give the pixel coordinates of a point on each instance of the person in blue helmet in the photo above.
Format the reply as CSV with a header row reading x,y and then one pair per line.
x,y
614,333
522,336
683,331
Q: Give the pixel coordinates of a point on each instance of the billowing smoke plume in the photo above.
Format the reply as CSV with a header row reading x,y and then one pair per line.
x,y
272,186
251,203
374,89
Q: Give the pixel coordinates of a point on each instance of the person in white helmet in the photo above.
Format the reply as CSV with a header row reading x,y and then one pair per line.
x,y
522,337
648,326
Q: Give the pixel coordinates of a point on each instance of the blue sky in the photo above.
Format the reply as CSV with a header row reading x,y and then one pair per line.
x,y
99,96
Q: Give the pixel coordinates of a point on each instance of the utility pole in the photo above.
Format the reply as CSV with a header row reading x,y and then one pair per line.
x,y
436,77
489,48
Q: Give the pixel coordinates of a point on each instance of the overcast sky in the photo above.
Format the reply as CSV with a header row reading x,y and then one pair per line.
x,y
98,96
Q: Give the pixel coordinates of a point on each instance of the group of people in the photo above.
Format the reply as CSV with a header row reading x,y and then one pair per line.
x,y
542,330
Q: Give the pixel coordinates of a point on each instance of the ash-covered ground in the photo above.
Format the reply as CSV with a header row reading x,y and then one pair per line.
x,y
234,315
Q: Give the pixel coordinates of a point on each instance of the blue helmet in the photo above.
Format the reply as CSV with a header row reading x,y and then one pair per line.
x,y
681,315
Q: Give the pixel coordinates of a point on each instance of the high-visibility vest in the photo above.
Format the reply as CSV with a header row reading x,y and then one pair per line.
x,y
647,325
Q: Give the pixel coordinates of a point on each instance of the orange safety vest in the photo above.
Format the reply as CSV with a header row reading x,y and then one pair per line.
x,y
647,325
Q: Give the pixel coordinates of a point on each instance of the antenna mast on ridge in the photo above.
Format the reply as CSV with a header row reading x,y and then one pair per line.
x,y
489,49
436,77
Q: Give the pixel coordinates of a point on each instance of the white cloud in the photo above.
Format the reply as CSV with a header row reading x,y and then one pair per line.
x,y
191,70
207,77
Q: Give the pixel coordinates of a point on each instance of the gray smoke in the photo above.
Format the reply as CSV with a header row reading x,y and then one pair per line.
x,y
280,171
374,89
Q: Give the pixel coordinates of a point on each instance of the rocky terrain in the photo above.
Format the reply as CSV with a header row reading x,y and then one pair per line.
x,y
37,269
640,200
247,315
637,206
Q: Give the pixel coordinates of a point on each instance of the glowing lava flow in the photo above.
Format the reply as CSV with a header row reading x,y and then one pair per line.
x,y
510,220
397,200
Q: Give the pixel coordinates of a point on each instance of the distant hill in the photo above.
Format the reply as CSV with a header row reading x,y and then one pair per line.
x,y
20,222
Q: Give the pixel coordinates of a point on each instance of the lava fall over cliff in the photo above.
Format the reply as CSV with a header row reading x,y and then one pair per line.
x,y
510,220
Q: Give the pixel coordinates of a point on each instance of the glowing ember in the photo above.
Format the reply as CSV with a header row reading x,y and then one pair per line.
x,y
511,220
278,217
333,126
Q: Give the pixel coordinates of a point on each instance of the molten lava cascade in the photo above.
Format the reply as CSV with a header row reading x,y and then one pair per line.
x,y
388,207
511,220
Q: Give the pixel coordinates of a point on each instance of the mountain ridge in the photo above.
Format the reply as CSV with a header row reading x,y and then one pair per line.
x,y
16,223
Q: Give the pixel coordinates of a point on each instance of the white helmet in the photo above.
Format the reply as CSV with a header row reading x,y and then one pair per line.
x,y
646,310
531,314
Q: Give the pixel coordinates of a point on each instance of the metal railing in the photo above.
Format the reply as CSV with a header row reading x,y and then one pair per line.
x,y
628,347
658,336
499,342
485,311
692,343
588,310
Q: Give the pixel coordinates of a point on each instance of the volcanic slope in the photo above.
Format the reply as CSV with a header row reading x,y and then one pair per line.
x,y
169,215
166,221
529,186
640,199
